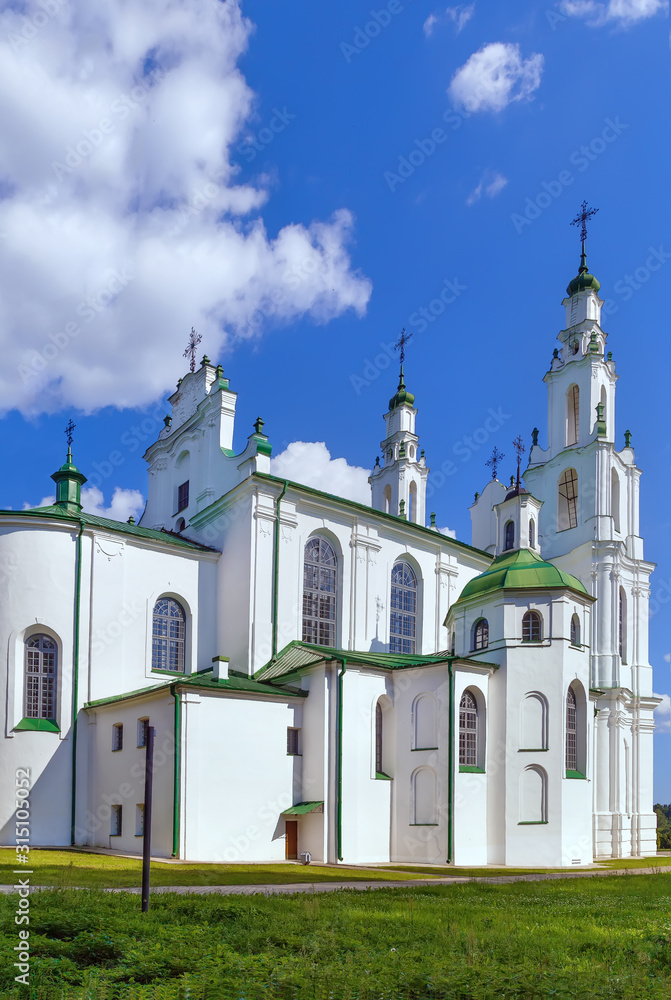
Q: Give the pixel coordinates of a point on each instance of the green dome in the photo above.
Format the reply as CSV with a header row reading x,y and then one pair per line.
x,y
521,569
402,395
583,280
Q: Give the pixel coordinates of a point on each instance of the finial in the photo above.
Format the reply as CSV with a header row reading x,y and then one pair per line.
x,y
400,346
593,344
495,461
401,509
205,361
534,438
512,480
600,422
377,461
477,496
131,520
219,371
581,218
627,439
167,420
609,356
421,454
401,450
518,445
179,382
258,425
433,519
555,354
194,340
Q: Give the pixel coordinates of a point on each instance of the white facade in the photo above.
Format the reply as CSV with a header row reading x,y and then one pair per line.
x,y
315,686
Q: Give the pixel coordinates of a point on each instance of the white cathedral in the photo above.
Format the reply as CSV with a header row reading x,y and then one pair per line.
x,y
333,678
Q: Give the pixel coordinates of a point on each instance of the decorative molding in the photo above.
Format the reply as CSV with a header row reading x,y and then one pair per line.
x,y
108,546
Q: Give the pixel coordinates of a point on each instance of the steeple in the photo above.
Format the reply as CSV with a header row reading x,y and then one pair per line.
x,y
399,484
69,481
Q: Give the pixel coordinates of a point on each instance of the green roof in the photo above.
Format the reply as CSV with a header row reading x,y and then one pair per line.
x,y
521,569
204,680
583,279
122,527
299,655
302,808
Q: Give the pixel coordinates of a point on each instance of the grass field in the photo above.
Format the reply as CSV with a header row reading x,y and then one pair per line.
x,y
585,938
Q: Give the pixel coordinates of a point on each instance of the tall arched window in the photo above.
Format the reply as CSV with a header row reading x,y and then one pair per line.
x,y
575,631
532,627
615,499
168,634
41,662
412,502
378,738
468,730
622,627
403,616
572,415
571,732
387,499
481,634
532,534
567,500
509,542
319,593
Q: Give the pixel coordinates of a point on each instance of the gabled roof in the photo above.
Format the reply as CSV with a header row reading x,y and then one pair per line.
x,y
521,569
107,524
204,680
299,655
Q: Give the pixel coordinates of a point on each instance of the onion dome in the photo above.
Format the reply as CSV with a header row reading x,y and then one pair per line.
x,y
69,481
583,280
402,397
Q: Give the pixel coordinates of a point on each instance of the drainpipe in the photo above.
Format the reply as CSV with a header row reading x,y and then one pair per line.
x,y
339,763
177,765
75,675
276,568
450,766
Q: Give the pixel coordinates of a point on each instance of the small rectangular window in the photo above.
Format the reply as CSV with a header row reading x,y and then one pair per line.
x,y
292,741
183,496
142,732
139,819
117,736
115,822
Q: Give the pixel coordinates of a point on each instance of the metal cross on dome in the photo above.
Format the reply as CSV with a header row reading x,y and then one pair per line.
x,y
581,218
518,445
495,461
194,340
400,344
68,432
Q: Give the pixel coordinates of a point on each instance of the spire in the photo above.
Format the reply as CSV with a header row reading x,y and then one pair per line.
x,y
69,480
583,280
402,395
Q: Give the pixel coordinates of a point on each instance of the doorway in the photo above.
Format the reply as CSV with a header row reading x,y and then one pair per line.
x,y
291,843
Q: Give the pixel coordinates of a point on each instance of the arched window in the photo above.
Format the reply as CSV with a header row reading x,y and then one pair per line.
x,y
615,499
509,542
424,723
168,634
403,616
41,662
387,499
412,502
378,738
532,534
319,593
453,643
575,631
572,415
567,500
571,732
622,627
468,730
481,634
532,627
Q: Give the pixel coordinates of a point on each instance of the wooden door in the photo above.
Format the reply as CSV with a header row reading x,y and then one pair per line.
x,y
291,839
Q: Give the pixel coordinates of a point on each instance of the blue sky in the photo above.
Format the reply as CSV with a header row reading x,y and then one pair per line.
x,y
299,184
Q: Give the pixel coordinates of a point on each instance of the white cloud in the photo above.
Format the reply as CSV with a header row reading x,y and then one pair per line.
x,y
458,16
310,463
624,12
491,183
124,503
663,714
123,222
667,657
448,531
494,76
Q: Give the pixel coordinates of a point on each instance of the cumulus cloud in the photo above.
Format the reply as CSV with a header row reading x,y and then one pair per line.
x,y
123,504
491,183
124,220
663,714
458,16
494,76
448,531
623,12
310,463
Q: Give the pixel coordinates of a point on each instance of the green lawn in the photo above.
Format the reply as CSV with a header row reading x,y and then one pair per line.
x,y
70,869
583,939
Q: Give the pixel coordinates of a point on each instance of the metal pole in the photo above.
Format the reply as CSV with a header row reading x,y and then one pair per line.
x,y
146,833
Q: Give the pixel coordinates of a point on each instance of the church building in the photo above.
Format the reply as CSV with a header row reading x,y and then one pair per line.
x,y
335,678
